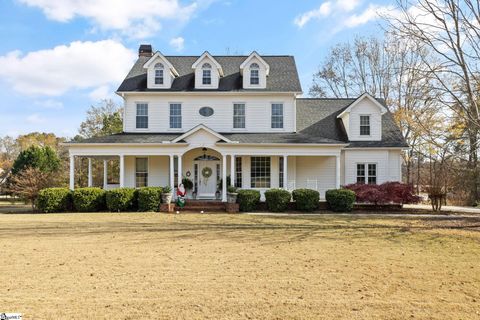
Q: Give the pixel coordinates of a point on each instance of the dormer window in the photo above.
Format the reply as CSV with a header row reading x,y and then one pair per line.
x,y
206,73
159,71
254,74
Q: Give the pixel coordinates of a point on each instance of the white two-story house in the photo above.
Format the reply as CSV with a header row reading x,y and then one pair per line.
x,y
212,117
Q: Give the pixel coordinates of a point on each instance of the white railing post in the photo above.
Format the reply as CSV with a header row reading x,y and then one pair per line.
x,y
122,171
285,172
72,172
232,170
337,171
224,178
90,175
105,174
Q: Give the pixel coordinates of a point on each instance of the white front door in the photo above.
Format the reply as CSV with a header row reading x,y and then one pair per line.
x,y
208,172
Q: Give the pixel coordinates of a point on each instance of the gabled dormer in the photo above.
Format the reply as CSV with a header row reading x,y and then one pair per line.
x,y
255,72
362,119
160,72
207,72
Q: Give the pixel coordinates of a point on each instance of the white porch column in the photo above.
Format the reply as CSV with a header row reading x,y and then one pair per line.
x,y
122,171
105,174
72,172
179,181
224,178
232,170
172,171
337,171
285,172
90,176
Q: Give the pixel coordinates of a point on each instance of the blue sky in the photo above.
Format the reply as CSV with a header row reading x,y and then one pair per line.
x,y
58,57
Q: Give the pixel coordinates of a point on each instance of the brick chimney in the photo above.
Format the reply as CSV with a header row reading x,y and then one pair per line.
x,y
145,50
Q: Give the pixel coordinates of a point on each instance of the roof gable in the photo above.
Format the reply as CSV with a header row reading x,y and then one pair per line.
x,y
160,56
198,128
383,110
206,54
254,54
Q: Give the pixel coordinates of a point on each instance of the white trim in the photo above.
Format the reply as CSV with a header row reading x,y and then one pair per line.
x,y
252,55
204,55
161,56
208,91
201,127
363,96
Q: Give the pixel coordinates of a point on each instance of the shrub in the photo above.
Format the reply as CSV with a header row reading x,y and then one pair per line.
x,y
386,193
187,183
277,199
340,200
121,199
306,199
248,200
89,199
149,198
54,200
232,189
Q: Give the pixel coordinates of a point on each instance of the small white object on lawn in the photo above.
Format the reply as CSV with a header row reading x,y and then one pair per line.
x,y
178,211
201,211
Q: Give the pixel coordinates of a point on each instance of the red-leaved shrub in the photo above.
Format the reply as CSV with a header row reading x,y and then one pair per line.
x,y
386,193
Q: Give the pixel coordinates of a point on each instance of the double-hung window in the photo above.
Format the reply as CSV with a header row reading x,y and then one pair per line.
x,y
367,173
238,115
260,172
277,115
364,125
238,172
254,74
141,172
159,73
175,115
206,74
142,116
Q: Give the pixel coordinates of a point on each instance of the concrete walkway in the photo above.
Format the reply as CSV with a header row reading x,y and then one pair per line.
x,y
444,208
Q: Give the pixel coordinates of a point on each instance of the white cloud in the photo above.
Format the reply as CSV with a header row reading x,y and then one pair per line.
x,y
50,104
178,43
79,65
102,92
326,9
138,19
35,119
373,12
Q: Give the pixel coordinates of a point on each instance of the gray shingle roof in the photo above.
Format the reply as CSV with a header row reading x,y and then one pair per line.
x,y
283,75
316,123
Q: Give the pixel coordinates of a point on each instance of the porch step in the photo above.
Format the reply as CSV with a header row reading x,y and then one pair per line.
x,y
205,206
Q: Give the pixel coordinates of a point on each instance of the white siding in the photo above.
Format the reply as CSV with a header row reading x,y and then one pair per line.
x,y
387,164
257,110
315,173
365,107
130,172
158,171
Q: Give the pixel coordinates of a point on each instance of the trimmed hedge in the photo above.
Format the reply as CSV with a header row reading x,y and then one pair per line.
x,y
121,199
277,199
89,199
340,200
306,199
149,198
54,200
248,200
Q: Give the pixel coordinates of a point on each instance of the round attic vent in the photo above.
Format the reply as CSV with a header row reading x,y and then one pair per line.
x,y
206,111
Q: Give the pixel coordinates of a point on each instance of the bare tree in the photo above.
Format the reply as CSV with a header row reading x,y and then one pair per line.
x,y
28,183
449,30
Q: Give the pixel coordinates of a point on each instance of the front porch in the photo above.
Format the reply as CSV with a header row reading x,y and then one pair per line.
x,y
208,168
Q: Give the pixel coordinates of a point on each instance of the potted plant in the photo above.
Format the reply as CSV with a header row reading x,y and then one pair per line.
x,y
167,194
232,194
187,184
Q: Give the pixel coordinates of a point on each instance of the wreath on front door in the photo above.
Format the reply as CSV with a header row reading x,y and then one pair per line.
x,y
207,172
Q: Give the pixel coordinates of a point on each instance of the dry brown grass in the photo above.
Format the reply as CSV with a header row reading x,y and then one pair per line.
x,y
157,266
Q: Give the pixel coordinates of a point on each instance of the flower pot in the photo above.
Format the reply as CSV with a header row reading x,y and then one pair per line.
x,y
218,195
232,197
167,197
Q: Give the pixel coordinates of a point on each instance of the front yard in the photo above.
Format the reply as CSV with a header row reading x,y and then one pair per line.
x,y
191,266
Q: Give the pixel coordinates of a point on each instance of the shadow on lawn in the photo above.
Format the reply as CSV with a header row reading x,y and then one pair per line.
x,y
266,230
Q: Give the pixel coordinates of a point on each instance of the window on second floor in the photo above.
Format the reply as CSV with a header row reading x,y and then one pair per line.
x,y
238,115
254,74
206,73
364,125
159,69
277,115
175,116
142,116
